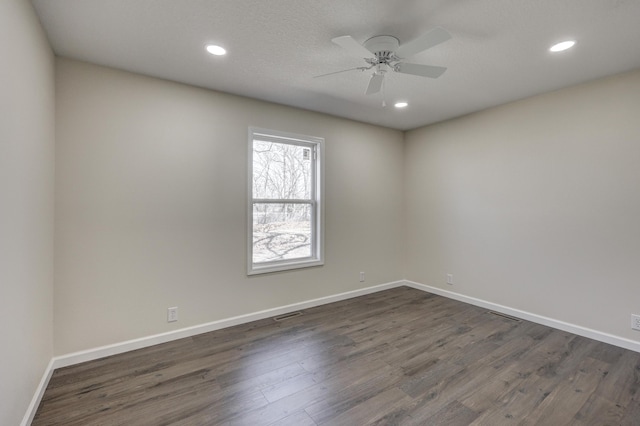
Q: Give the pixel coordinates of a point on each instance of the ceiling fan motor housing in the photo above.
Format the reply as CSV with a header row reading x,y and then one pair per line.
x,y
383,47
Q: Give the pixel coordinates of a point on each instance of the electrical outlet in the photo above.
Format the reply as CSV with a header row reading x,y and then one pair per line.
x,y
635,322
172,314
450,279
361,277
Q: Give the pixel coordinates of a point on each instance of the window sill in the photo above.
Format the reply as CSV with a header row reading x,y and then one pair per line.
x,y
283,266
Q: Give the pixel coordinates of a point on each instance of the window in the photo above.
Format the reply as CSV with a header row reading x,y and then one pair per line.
x,y
285,201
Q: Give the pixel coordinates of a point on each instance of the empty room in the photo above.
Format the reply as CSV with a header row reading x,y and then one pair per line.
x,y
320,212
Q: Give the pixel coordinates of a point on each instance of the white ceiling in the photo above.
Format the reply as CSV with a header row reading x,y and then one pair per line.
x,y
499,51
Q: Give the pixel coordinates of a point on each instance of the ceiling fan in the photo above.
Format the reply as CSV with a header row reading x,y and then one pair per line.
x,y
384,53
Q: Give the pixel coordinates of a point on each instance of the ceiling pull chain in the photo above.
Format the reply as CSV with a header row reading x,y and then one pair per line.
x,y
384,96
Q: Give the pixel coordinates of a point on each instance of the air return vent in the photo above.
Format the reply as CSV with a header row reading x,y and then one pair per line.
x,y
505,316
287,316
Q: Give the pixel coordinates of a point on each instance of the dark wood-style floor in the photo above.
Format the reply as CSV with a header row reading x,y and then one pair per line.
x,y
398,357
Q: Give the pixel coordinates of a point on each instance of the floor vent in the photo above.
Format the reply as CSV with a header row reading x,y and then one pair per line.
x,y
509,317
287,316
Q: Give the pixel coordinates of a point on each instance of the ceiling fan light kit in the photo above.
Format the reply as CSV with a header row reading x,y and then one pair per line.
x,y
384,53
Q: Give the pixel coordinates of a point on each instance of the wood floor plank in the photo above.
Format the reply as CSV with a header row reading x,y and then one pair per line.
x,y
599,411
517,404
301,418
632,413
396,357
288,387
340,400
451,414
622,381
566,399
370,410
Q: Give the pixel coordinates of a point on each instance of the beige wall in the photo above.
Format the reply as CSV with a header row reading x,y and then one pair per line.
x,y
531,205
534,205
151,198
26,206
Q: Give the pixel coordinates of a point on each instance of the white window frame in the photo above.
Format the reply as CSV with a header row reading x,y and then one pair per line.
x,y
316,145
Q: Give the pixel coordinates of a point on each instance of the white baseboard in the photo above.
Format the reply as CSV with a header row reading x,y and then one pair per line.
x,y
539,319
37,396
143,342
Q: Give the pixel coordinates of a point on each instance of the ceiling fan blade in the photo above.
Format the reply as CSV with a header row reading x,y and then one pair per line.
x,y
426,41
341,71
375,84
421,70
338,72
355,48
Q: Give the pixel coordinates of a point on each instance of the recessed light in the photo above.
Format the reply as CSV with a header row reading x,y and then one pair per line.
x,y
559,47
216,50
400,104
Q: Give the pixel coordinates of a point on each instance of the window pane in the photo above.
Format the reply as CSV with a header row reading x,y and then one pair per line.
x,y
281,231
281,171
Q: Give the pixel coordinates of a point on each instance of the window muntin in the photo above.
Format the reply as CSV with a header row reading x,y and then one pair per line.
x,y
285,210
